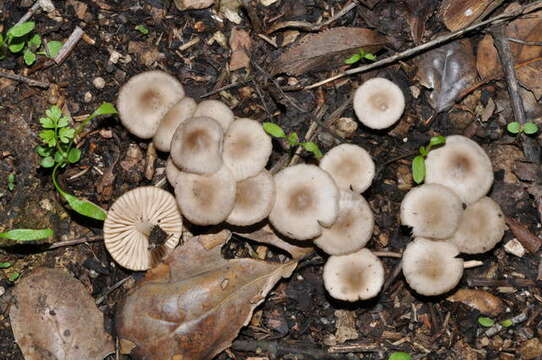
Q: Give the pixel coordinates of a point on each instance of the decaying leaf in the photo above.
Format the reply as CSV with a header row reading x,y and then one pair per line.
x,y
448,70
193,4
327,49
193,305
458,14
240,42
480,300
55,318
418,13
529,240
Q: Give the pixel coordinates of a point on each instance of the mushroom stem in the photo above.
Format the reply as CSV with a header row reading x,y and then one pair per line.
x,y
145,228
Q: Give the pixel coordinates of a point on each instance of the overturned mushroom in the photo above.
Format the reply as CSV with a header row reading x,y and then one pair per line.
x,y
145,99
379,103
463,166
216,110
254,200
353,228
129,224
358,276
350,166
179,113
432,210
306,197
431,267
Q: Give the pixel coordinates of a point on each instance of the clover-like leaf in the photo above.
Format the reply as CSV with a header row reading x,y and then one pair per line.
x,y
530,128
48,137
514,127
54,112
21,29
35,42
485,321
63,121
74,155
16,47
47,162
48,123
54,48
66,134
29,57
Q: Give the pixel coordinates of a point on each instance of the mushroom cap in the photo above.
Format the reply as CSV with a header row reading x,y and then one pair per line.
x,y
145,99
130,221
463,166
196,146
217,110
431,267
206,199
379,103
246,148
481,227
254,199
357,276
172,172
432,210
350,166
353,228
306,197
179,113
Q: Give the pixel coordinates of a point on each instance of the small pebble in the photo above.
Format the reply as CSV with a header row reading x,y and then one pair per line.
x,y
514,247
88,97
99,83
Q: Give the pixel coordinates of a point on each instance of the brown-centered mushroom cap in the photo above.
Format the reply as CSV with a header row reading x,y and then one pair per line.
x,y
179,113
206,199
196,146
130,221
481,227
306,197
350,166
217,110
352,229
254,199
172,172
145,99
463,166
431,267
432,210
358,276
379,103
246,148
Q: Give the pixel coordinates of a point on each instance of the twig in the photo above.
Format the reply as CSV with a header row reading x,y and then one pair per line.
x,y
279,349
511,282
354,348
29,13
75,242
111,289
26,80
518,319
523,42
69,45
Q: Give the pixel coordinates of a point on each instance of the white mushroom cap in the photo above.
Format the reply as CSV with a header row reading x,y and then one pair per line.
x,y
145,99
246,148
432,210
254,199
350,166
463,166
379,103
353,228
206,199
306,197
481,227
217,110
130,221
179,113
431,267
172,172
197,145
358,276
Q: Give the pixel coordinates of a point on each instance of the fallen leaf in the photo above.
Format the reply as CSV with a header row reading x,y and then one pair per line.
x,y
346,326
240,42
458,14
193,305
193,4
148,54
230,10
327,49
530,241
483,301
448,70
54,317
418,13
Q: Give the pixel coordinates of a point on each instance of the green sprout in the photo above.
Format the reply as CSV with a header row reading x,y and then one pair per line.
x,y
418,164
11,182
527,128
14,276
362,54
5,265
142,29
485,321
293,140
399,355
20,235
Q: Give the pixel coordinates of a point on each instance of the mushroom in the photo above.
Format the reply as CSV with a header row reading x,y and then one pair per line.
x,y
246,148
179,113
172,172
206,199
379,103
145,99
196,146
254,199
481,227
353,228
432,210
350,166
129,224
463,166
306,197
216,110
431,267
358,276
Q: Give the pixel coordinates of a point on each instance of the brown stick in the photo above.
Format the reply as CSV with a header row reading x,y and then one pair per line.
x,y
69,45
75,242
29,13
26,80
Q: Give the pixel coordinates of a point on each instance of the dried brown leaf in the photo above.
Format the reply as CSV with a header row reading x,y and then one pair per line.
x,y
55,318
193,4
240,42
327,49
480,300
458,14
418,13
529,240
193,305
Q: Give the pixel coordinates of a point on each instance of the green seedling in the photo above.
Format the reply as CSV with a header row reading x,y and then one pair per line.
x,y
21,235
527,128
507,323
362,54
293,140
399,355
485,321
11,182
418,164
5,265
14,276
142,29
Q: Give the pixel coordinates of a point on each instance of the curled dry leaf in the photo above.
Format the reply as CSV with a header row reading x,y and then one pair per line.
x,y
240,42
458,14
193,305
448,70
55,318
480,300
327,49
529,240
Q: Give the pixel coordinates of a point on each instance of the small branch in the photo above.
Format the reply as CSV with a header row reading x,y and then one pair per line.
x,y
29,13
75,242
26,80
69,45
280,349
111,289
523,42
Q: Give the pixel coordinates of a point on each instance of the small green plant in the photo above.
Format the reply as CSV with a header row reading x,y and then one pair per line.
x,y
5,265
527,128
418,164
142,29
399,355
362,54
21,235
485,321
11,182
14,276
506,323
293,140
